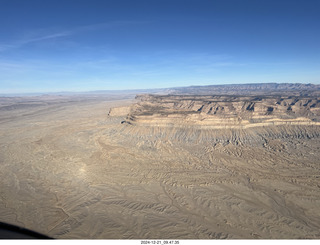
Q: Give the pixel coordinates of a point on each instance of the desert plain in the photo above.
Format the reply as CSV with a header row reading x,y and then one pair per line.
x,y
103,167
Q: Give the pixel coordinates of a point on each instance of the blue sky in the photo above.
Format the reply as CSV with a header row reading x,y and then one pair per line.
x,y
76,45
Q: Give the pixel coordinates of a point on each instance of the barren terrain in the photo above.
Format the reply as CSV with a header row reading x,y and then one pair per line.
x,y
75,167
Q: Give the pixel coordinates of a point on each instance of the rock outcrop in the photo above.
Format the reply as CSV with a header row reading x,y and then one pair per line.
x,y
221,111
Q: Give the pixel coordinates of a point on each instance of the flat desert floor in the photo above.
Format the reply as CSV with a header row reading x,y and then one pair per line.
x,y
68,170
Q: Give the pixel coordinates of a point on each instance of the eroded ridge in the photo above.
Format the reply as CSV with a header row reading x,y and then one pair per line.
x,y
221,111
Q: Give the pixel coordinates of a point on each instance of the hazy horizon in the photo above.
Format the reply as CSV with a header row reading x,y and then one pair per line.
x,y
37,93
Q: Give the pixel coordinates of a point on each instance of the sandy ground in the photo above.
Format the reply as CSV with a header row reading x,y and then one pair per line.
x,y
69,171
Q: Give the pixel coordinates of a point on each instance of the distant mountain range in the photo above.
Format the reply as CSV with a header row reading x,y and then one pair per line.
x,y
254,89
229,89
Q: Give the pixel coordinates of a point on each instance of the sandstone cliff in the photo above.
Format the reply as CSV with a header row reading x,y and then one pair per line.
x,y
221,111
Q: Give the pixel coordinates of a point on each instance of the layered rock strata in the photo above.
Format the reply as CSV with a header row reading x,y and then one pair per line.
x,y
220,111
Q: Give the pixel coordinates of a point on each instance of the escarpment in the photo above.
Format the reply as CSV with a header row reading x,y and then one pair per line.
x,y
222,111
